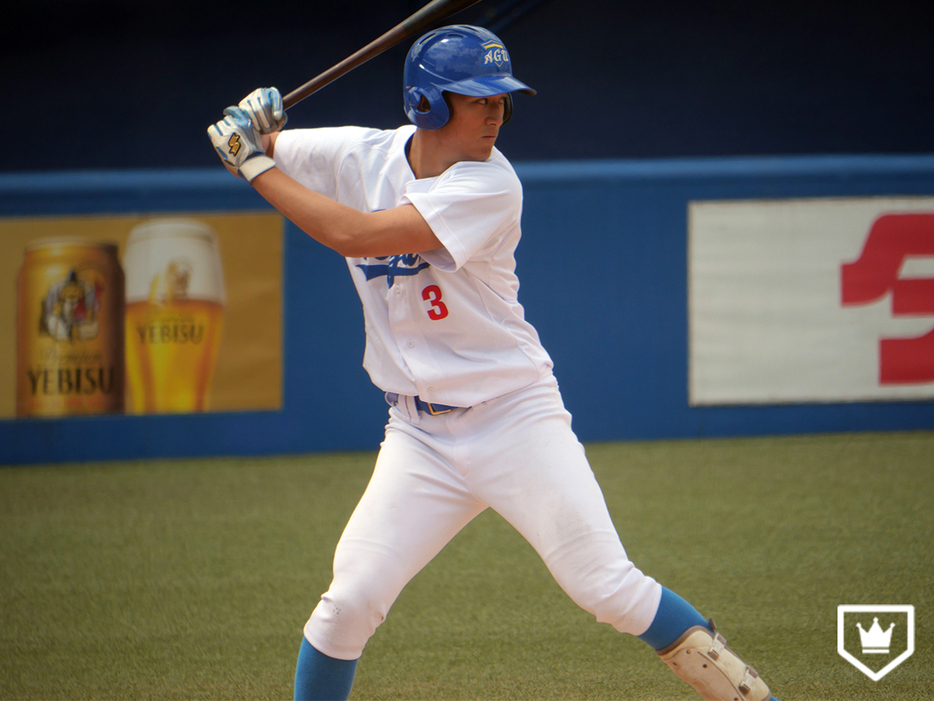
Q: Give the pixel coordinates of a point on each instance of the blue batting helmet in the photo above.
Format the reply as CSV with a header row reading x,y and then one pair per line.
x,y
461,59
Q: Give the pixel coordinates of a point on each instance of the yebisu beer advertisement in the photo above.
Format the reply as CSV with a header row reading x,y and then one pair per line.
x,y
164,314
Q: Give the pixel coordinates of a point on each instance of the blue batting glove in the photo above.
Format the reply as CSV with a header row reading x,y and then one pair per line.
x,y
238,145
264,108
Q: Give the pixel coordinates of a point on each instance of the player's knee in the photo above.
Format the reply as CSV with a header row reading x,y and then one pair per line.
x,y
345,619
359,608
365,585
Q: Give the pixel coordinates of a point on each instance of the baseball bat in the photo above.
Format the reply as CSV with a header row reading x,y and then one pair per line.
x,y
433,12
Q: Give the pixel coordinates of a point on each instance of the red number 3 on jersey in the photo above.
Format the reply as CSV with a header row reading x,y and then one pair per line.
x,y
438,310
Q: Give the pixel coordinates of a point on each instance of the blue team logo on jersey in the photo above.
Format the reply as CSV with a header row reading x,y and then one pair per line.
x,y
395,266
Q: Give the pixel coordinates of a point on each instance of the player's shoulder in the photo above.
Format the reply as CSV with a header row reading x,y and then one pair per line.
x,y
381,139
347,136
496,170
332,146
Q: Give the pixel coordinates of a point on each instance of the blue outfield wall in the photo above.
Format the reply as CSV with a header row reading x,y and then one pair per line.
x,y
603,264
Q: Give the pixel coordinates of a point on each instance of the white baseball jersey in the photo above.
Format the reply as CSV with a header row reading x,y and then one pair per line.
x,y
445,325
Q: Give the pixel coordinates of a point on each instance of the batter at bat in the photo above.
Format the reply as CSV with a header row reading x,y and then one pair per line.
x,y
427,217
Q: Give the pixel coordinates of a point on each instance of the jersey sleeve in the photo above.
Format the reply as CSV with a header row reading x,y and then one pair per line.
x,y
313,156
469,208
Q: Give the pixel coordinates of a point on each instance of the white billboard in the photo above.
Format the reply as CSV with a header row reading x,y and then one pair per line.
x,y
812,300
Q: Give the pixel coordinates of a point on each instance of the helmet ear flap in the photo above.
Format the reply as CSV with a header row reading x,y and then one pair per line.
x,y
426,108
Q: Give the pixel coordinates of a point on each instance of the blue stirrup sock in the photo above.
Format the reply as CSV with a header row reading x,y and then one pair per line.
x,y
674,616
322,678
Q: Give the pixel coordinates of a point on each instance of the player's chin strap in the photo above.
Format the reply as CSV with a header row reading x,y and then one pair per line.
x,y
701,658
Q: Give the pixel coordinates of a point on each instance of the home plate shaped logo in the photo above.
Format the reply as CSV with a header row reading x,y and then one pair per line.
x,y
875,639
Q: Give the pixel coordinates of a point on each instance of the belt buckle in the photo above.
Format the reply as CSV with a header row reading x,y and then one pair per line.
x,y
433,412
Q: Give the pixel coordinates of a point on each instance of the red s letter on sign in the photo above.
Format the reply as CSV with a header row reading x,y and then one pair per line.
x,y
892,238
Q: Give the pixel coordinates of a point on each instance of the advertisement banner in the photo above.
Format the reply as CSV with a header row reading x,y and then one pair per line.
x,y
140,315
814,300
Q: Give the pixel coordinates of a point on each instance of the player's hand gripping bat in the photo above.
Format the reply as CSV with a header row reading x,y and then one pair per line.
x,y
433,12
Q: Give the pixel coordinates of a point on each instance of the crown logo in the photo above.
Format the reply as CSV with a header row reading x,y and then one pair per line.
x,y
877,650
875,640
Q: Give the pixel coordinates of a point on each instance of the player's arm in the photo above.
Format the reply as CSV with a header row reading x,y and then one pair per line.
x,y
351,233
269,143
245,140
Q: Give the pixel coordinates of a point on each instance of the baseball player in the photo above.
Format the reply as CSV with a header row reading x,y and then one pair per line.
x,y
427,217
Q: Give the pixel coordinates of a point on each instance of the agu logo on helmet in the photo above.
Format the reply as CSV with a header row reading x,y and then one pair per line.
x,y
495,53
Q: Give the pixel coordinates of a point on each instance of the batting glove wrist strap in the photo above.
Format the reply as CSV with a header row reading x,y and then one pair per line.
x,y
238,145
256,165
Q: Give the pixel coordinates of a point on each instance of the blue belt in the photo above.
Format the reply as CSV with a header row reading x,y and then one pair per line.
x,y
392,398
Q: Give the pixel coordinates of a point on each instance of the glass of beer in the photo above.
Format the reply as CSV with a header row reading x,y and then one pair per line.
x,y
174,315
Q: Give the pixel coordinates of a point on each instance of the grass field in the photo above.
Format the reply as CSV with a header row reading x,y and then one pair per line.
x,y
191,579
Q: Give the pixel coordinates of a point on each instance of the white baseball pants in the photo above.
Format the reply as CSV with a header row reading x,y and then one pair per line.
x,y
516,454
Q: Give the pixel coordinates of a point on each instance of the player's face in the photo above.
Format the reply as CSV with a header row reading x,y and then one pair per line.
x,y
474,125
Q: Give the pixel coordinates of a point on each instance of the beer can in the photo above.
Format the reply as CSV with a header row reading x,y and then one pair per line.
x,y
69,329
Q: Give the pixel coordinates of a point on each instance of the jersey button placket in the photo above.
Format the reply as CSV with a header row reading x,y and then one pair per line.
x,y
399,318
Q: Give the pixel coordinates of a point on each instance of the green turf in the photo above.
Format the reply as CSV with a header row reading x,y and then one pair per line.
x,y
191,579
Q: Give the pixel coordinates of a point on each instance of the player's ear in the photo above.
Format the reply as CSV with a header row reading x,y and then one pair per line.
x,y
423,104
507,108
